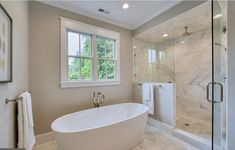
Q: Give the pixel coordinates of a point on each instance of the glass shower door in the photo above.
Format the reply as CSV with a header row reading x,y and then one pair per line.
x,y
219,70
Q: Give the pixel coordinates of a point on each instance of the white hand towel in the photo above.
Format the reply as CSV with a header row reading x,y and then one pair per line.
x,y
148,96
25,122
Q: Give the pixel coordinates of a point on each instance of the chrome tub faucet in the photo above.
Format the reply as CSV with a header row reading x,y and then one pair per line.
x,y
97,99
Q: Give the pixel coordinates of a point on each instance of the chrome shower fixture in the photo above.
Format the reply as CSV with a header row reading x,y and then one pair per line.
x,y
186,33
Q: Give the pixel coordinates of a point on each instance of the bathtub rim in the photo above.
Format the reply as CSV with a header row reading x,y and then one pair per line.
x,y
146,109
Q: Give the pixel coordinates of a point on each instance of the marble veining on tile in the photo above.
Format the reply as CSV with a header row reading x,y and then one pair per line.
x,y
153,140
187,62
193,61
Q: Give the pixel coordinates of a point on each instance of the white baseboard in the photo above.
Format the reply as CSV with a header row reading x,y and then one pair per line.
x,y
44,138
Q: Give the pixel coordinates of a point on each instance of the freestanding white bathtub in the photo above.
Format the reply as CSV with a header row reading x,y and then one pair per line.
x,y
114,127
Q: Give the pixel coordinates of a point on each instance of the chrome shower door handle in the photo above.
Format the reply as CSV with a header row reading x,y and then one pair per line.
x,y
208,92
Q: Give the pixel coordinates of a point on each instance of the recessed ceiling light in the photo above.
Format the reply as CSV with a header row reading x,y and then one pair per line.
x,y
165,35
125,6
217,16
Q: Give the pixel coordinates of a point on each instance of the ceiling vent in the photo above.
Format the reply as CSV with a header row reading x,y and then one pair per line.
x,y
101,10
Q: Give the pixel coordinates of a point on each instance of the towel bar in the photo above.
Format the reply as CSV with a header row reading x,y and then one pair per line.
x,y
14,100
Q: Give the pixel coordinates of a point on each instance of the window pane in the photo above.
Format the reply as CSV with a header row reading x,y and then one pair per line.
x,y
101,46
74,69
73,43
85,45
101,69
152,56
109,49
110,69
86,69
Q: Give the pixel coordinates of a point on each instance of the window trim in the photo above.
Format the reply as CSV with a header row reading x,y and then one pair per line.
x,y
69,24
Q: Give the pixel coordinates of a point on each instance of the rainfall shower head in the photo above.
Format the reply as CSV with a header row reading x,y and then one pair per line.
x,y
186,33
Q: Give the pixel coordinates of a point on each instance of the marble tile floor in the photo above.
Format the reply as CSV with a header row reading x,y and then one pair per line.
x,y
153,140
195,126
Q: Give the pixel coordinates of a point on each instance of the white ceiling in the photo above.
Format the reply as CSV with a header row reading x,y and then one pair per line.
x,y
196,19
139,12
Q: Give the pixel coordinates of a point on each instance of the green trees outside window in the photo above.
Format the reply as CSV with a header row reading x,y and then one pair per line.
x,y
80,59
105,54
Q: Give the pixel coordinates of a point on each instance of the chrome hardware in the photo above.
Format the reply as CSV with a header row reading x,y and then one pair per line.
x,y
224,29
14,100
221,45
221,92
97,100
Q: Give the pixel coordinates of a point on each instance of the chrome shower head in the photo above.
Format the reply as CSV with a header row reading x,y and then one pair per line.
x,y
186,33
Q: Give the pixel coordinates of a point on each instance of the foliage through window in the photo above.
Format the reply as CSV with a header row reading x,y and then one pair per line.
x,y
79,56
105,55
89,55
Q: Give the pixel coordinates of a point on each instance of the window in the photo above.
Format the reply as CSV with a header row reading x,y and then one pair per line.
x,y
79,56
162,56
106,61
152,55
89,55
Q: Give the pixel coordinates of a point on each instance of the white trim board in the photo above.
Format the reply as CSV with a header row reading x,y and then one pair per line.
x,y
94,31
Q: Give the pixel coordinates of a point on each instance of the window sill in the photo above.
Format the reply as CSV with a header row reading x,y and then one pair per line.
x,y
74,84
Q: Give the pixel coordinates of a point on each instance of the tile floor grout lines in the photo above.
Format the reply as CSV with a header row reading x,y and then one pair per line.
x,y
154,139
195,126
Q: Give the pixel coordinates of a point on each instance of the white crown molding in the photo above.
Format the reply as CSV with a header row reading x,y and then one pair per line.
x,y
87,14
84,12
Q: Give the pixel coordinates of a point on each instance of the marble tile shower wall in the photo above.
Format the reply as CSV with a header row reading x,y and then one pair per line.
x,y
193,71
185,61
155,67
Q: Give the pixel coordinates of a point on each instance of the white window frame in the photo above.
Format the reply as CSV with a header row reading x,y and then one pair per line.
x,y
69,24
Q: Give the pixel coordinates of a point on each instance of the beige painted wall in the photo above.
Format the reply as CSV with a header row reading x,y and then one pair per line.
x,y
49,100
19,13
